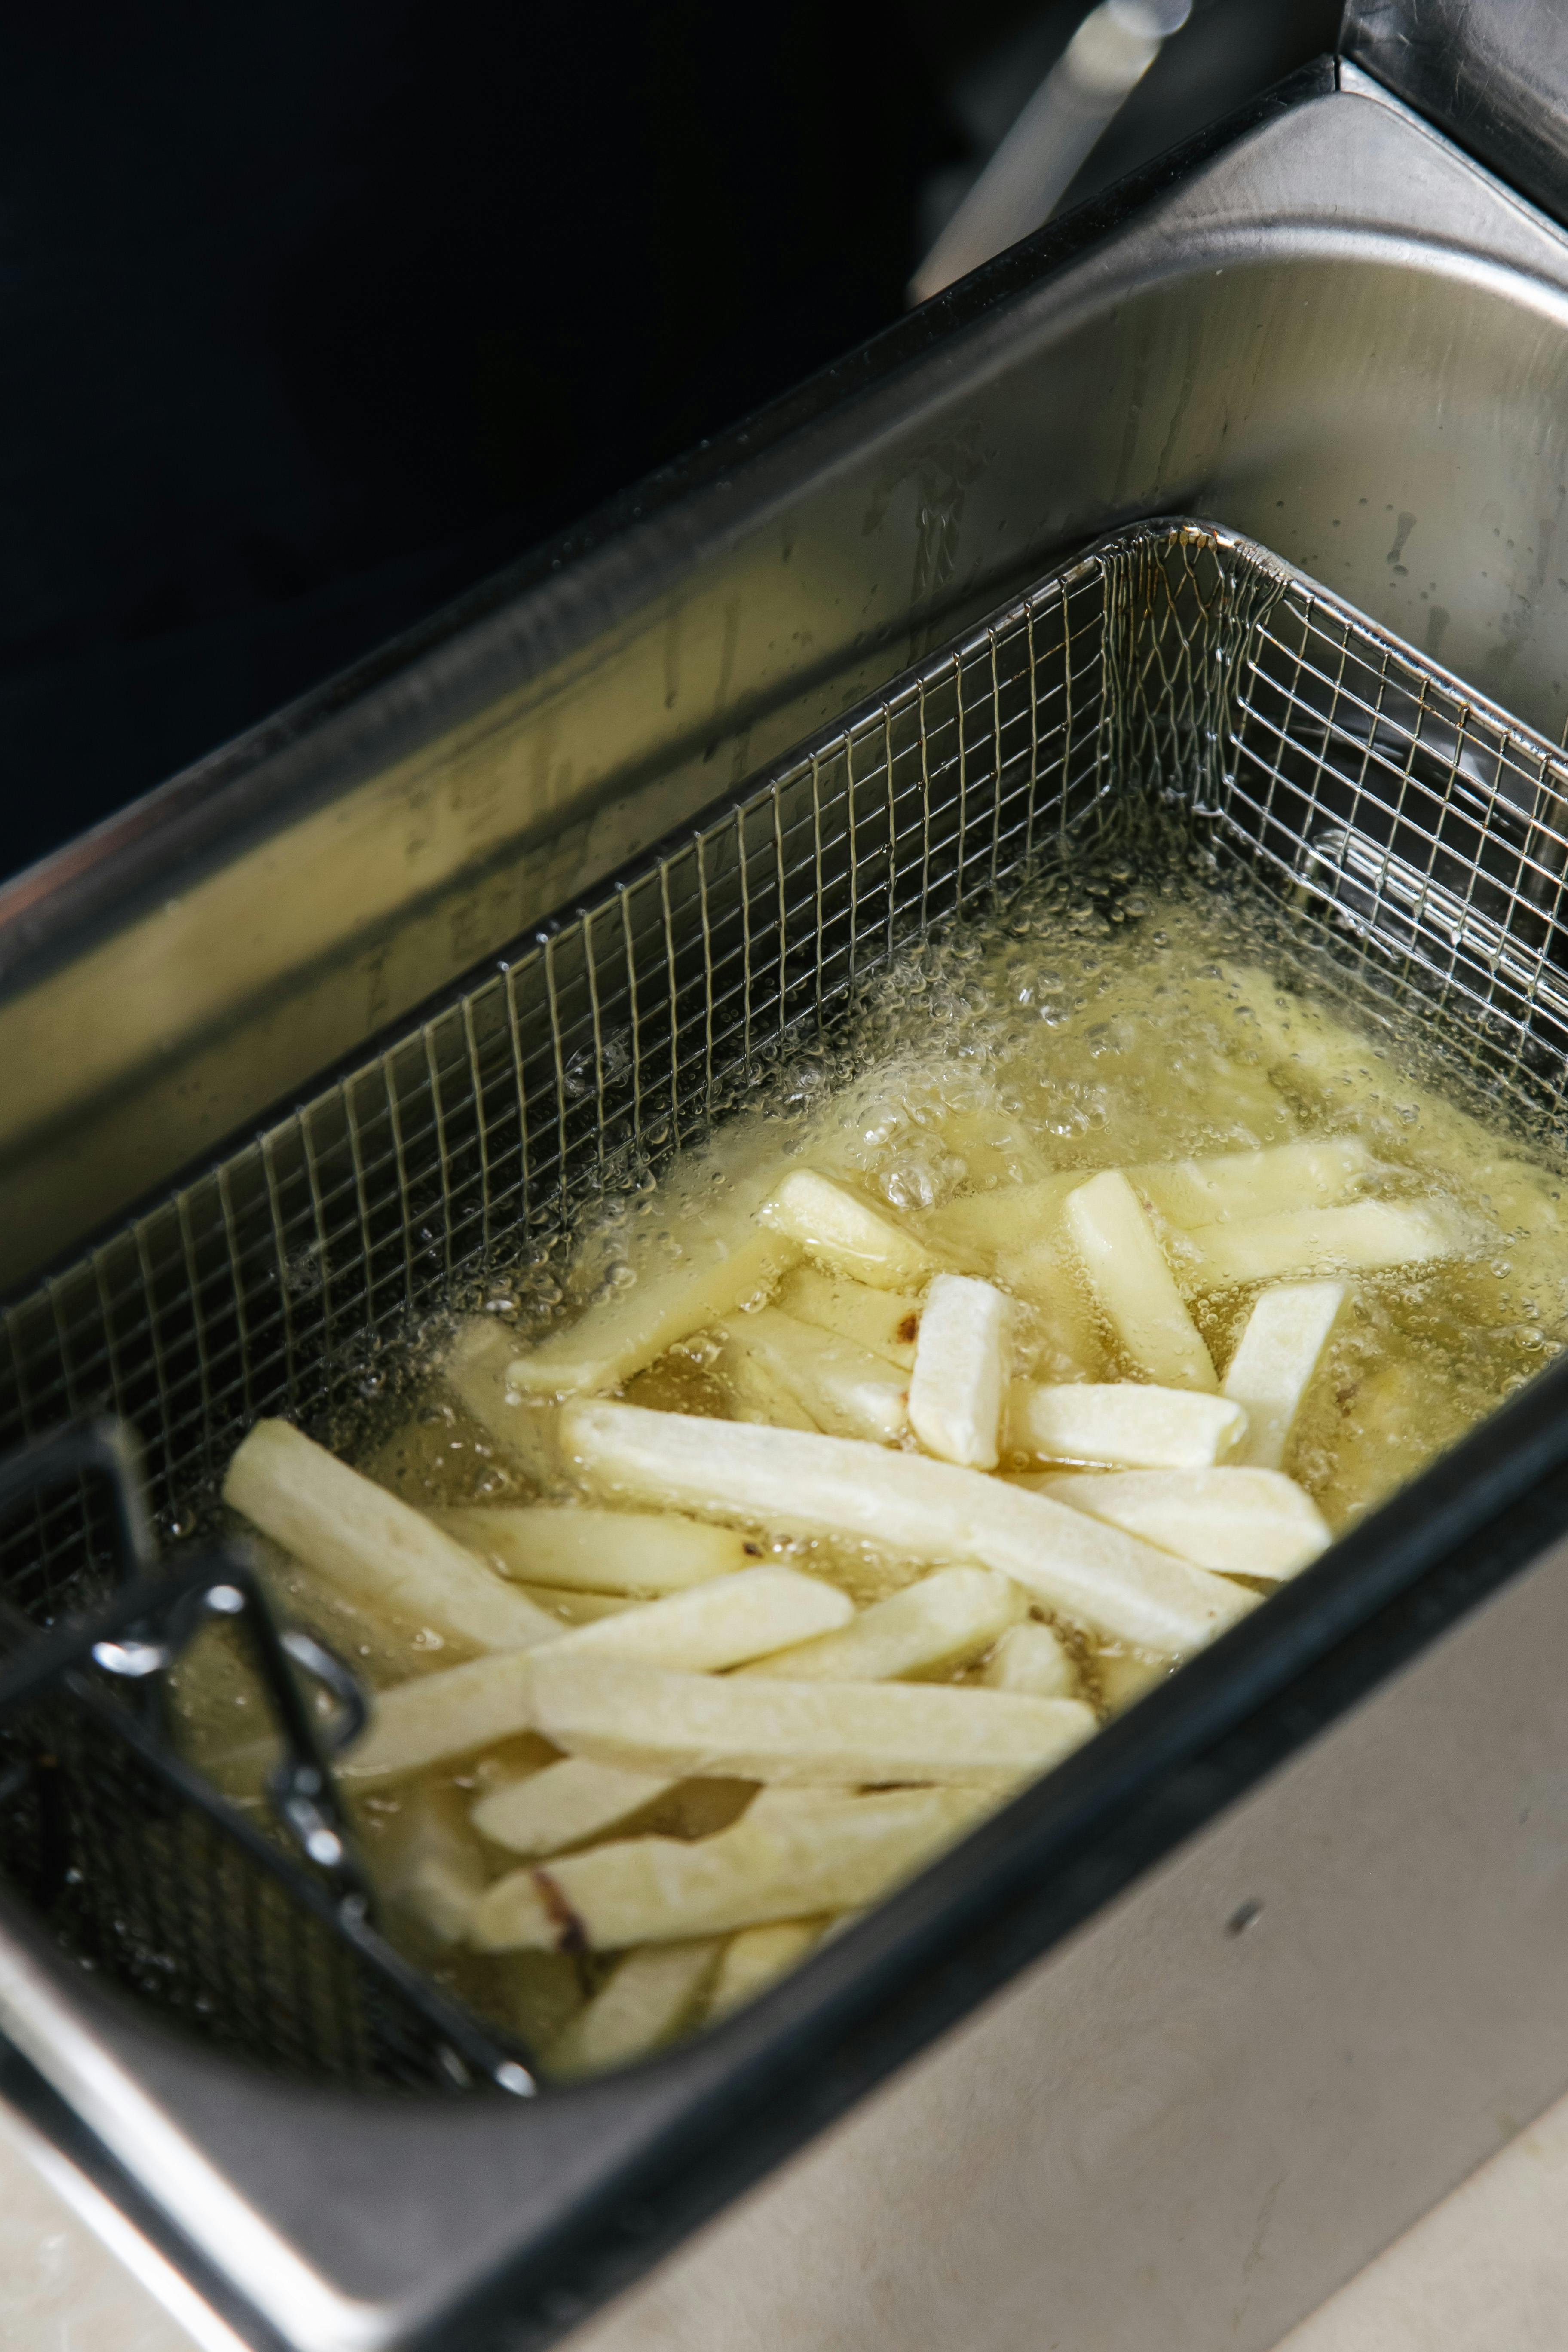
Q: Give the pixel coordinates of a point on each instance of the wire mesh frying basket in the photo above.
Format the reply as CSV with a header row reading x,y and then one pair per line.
x,y
1426,828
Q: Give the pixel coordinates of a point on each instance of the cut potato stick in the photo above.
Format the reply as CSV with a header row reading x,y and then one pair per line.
x,y
1122,1423
955,1391
1366,1235
478,1371
1237,1522
373,1548
577,1608
1049,1279
596,1551
909,1507
980,1228
755,1958
948,1616
1126,1270
563,1805
1275,1361
1125,1679
885,1321
619,1334
832,1855
1032,1660
645,1719
440,1716
839,1386
840,1231
1311,1174
429,1865
646,2002
756,1393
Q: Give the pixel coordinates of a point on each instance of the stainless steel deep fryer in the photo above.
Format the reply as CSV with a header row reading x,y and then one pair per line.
x,y
1424,833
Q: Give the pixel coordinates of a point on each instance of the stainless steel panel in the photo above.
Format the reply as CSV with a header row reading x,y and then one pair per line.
x,y
1335,332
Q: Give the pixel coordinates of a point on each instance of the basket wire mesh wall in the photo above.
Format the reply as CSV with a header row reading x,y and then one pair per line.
x,y
1174,659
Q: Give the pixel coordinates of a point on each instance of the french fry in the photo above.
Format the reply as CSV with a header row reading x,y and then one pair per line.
x,y
948,1616
979,1229
1274,1363
428,1865
478,1371
840,1387
1126,1677
756,1393
373,1548
562,1805
1049,1279
576,1608
885,1321
1126,1270
838,1230
725,1266
596,1551
832,1855
756,1958
1123,1423
906,1506
441,1716
1314,1174
1237,1522
955,1391
1032,1660
649,1998
1367,1236
822,1734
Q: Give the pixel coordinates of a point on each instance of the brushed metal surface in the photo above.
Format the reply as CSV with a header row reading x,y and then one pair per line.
x,y
1337,333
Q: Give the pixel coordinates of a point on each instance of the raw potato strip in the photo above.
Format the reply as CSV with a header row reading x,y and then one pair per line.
x,y
832,1855
1034,1661
755,1392
955,1393
1126,1270
980,1228
621,1334
374,1548
428,1863
840,1387
1275,1361
440,1716
596,1551
1123,1423
576,1608
646,2002
477,1370
1367,1236
1313,1174
821,1735
565,1804
913,1509
844,1232
1237,1522
948,1616
755,1958
886,1321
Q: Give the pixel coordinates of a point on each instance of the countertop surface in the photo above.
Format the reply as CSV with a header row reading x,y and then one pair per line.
x,y
1486,2269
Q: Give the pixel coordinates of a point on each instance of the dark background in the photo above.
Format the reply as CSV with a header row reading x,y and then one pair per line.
x,y
314,311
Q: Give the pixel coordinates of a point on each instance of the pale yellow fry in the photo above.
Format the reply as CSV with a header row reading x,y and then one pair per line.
x,y
827,1734
725,1266
948,1616
1124,1424
886,1321
838,1230
437,1716
909,1507
649,1998
979,1228
428,1865
1274,1364
576,1608
1311,1174
1238,1522
839,1385
585,1551
478,1371
1125,1679
756,1958
562,1805
1365,1236
756,1393
374,1548
1126,1270
1034,1661
955,1392
833,1856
